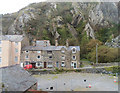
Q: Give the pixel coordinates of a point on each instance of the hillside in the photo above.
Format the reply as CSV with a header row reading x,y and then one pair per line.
x,y
77,22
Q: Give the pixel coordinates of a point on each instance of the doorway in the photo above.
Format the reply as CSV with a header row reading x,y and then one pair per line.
x,y
45,64
57,64
75,65
33,65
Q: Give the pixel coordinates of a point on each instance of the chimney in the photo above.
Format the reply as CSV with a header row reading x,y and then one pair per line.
x,y
34,42
56,42
67,44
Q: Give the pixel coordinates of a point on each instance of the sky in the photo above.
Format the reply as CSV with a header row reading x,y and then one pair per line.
x,y
10,6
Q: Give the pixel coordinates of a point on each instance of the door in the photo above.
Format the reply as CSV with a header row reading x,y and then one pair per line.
x,y
33,65
45,64
75,65
57,64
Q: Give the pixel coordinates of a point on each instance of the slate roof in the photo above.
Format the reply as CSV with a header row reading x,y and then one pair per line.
x,y
13,38
16,78
37,48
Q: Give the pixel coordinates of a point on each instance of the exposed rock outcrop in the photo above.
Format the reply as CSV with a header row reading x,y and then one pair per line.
x,y
18,25
89,31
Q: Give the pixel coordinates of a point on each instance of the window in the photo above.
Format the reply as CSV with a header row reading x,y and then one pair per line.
x,y
26,63
26,51
0,50
72,64
0,59
73,57
63,51
39,64
16,43
63,57
50,57
49,52
26,56
49,65
38,51
0,41
38,57
16,59
16,50
62,64
74,50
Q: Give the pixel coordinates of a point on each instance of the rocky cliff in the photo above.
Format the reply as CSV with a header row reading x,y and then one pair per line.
x,y
63,20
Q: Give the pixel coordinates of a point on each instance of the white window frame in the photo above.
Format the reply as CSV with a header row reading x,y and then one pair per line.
x,y
63,51
38,51
41,64
72,64
50,65
37,57
27,51
73,58
63,65
73,49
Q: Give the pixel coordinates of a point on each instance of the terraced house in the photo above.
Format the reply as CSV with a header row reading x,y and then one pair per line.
x,y
43,55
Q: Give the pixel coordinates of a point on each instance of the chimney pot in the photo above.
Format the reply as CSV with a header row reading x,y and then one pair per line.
x,y
67,44
56,42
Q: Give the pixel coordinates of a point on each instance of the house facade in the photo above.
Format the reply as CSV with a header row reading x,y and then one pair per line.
x,y
43,55
10,49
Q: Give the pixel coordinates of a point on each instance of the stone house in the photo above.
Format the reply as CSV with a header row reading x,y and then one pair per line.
x,y
10,49
44,55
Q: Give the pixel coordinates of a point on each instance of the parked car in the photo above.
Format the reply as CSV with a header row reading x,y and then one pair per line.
x,y
28,66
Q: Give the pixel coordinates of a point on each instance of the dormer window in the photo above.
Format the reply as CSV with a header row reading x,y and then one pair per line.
x,y
74,50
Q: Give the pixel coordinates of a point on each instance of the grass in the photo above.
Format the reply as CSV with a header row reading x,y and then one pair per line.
x,y
36,75
55,77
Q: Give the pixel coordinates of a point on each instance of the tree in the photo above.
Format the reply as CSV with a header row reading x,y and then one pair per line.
x,y
92,44
105,54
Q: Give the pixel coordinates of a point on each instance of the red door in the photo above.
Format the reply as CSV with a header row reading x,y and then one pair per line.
x,y
45,64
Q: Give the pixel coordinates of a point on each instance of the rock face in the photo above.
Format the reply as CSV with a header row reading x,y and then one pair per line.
x,y
103,14
21,20
89,31
50,16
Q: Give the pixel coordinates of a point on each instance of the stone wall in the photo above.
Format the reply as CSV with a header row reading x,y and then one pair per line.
x,y
107,64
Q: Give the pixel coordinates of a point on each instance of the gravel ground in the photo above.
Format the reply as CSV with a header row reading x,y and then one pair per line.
x,y
75,82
